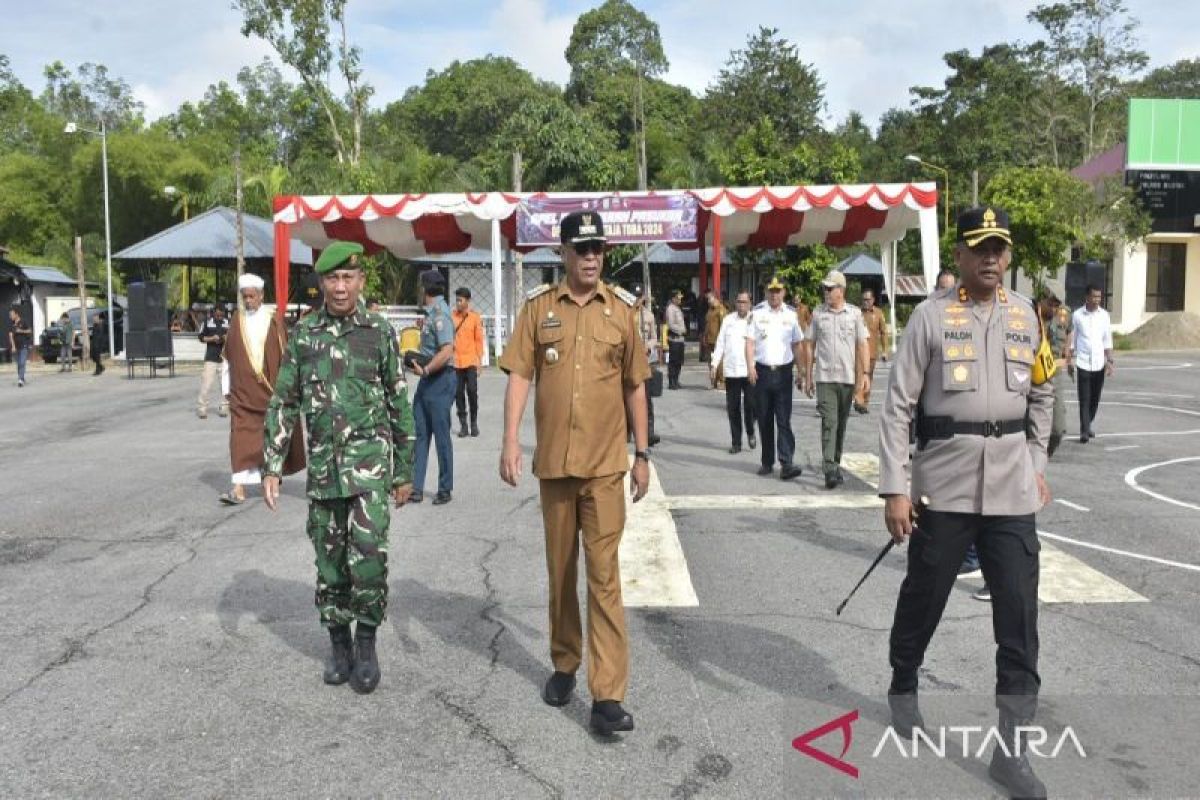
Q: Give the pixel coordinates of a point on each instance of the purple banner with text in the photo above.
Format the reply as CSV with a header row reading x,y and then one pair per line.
x,y
627,220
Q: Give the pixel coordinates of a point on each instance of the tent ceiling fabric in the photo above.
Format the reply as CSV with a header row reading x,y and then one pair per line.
x,y
418,225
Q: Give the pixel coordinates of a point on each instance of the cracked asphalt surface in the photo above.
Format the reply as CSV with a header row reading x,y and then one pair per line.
x,y
160,644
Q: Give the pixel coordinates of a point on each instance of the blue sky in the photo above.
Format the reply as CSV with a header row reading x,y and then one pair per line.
x,y
868,52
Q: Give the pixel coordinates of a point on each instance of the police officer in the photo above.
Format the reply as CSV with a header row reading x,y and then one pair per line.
x,y
579,342
837,358
436,390
342,372
676,338
1056,320
964,376
773,347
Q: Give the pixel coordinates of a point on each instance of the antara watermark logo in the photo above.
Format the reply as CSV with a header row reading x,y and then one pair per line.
x,y
969,741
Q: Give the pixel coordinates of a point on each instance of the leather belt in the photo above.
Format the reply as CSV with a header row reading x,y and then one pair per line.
x,y
759,365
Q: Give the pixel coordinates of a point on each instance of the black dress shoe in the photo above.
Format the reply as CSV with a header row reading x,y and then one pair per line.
x,y
462,432
1083,438
441,499
558,688
765,470
416,497
906,714
840,477
474,429
737,448
653,440
752,441
861,409
831,481
608,718
788,472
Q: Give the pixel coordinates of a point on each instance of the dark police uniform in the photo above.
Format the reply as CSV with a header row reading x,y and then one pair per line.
x,y
435,395
963,377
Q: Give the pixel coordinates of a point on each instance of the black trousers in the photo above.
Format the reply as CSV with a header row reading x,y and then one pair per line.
x,y
773,401
649,414
739,405
675,355
1008,553
1090,385
468,390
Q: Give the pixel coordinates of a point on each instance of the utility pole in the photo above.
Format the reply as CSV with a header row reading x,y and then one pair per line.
x,y
83,317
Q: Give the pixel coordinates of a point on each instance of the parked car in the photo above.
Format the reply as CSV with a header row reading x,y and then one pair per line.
x,y
50,343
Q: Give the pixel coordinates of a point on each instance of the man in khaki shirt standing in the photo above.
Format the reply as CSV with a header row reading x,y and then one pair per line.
x,y
964,377
836,357
579,343
877,327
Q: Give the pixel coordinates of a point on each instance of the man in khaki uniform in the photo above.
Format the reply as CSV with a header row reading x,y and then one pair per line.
x,y
964,377
877,327
579,342
837,352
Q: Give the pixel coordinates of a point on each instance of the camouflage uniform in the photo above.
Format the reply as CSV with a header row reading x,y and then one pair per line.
x,y
343,374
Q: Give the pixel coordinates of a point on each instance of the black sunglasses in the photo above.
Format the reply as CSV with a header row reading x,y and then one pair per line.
x,y
590,246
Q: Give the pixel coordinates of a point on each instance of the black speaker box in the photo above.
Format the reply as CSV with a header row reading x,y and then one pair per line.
x,y
147,306
154,343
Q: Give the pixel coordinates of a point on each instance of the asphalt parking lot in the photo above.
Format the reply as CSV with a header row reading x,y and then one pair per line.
x,y
159,644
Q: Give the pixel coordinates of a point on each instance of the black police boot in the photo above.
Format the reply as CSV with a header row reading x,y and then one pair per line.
x,y
474,427
1012,770
341,656
558,688
608,717
365,675
906,713
462,427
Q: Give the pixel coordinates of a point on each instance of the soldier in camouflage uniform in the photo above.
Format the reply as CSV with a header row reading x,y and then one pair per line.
x,y
342,372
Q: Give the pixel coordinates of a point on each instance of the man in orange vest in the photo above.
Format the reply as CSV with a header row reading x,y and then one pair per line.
x,y
468,357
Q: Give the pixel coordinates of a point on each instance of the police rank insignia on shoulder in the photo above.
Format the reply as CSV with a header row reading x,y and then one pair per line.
x,y
537,291
627,298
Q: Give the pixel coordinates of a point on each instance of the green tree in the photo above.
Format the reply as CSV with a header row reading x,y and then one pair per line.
x,y
91,96
1179,80
1046,208
610,40
766,79
302,33
30,213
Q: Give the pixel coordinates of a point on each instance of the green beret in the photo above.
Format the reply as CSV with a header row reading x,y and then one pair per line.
x,y
336,255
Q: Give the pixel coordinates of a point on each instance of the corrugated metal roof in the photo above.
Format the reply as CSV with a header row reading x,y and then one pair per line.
x,y
49,275
212,237
860,265
911,286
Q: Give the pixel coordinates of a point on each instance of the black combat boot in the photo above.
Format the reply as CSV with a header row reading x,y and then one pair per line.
x,y
365,675
1012,770
341,656
462,428
906,713
474,427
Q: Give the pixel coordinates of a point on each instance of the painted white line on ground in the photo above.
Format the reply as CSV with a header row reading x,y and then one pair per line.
x,y
865,467
1121,447
1153,394
654,571
1186,411
1131,480
1114,551
1065,579
1184,365
772,502
1069,504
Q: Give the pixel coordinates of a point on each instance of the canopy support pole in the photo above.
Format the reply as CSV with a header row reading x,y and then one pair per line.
x,y
716,256
929,245
283,257
496,288
887,254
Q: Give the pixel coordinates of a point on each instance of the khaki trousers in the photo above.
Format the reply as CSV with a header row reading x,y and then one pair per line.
x,y
864,398
595,507
208,379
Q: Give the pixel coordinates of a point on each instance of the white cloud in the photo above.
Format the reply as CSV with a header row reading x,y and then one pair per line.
x,y
527,32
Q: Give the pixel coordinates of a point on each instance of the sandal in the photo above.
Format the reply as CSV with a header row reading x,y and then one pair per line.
x,y
230,499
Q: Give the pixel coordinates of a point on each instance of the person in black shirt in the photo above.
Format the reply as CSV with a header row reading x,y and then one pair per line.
x,y
213,333
99,340
20,339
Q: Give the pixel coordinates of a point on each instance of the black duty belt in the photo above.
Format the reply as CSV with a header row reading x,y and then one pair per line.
x,y
947,428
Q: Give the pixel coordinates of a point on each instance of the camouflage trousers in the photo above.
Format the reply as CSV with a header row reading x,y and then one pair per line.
x,y
349,535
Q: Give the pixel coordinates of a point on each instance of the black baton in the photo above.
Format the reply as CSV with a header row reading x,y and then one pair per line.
x,y
922,503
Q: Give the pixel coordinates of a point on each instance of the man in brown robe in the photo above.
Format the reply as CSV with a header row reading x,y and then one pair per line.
x,y
253,351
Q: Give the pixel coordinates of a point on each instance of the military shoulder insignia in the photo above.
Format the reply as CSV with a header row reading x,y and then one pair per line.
x,y
625,296
537,291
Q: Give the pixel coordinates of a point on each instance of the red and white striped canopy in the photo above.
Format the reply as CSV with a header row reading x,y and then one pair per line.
x,y
415,225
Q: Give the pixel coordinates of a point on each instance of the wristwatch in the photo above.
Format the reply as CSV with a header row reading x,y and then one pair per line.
x,y
644,455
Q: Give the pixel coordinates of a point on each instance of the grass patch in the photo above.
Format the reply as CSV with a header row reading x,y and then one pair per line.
x,y
1122,341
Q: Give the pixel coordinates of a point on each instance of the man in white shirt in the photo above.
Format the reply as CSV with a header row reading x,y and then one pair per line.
x,y
729,352
1090,354
773,339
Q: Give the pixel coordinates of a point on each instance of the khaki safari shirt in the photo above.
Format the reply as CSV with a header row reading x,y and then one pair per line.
x,y
973,363
835,336
877,326
581,360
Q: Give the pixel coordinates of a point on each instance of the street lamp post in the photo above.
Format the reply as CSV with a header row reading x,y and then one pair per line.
x,y
103,134
917,160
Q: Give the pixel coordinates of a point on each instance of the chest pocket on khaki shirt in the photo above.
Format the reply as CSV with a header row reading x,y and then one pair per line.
x,y
959,355
607,351
550,353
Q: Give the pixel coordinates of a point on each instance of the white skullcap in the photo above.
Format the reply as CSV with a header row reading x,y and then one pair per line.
x,y
249,280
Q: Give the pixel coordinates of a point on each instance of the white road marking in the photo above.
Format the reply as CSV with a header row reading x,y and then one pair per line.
x,y
1184,365
1131,480
1152,394
1186,411
772,502
1121,447
1139,556
654,571
1069,504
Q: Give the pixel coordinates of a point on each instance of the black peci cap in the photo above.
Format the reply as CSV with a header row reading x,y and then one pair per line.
x,y
581,226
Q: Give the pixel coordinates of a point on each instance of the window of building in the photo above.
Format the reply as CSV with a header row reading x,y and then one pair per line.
x,y
1166,266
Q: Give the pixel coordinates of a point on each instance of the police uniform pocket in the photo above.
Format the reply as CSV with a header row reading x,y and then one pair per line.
x,y
960,376
1018,377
